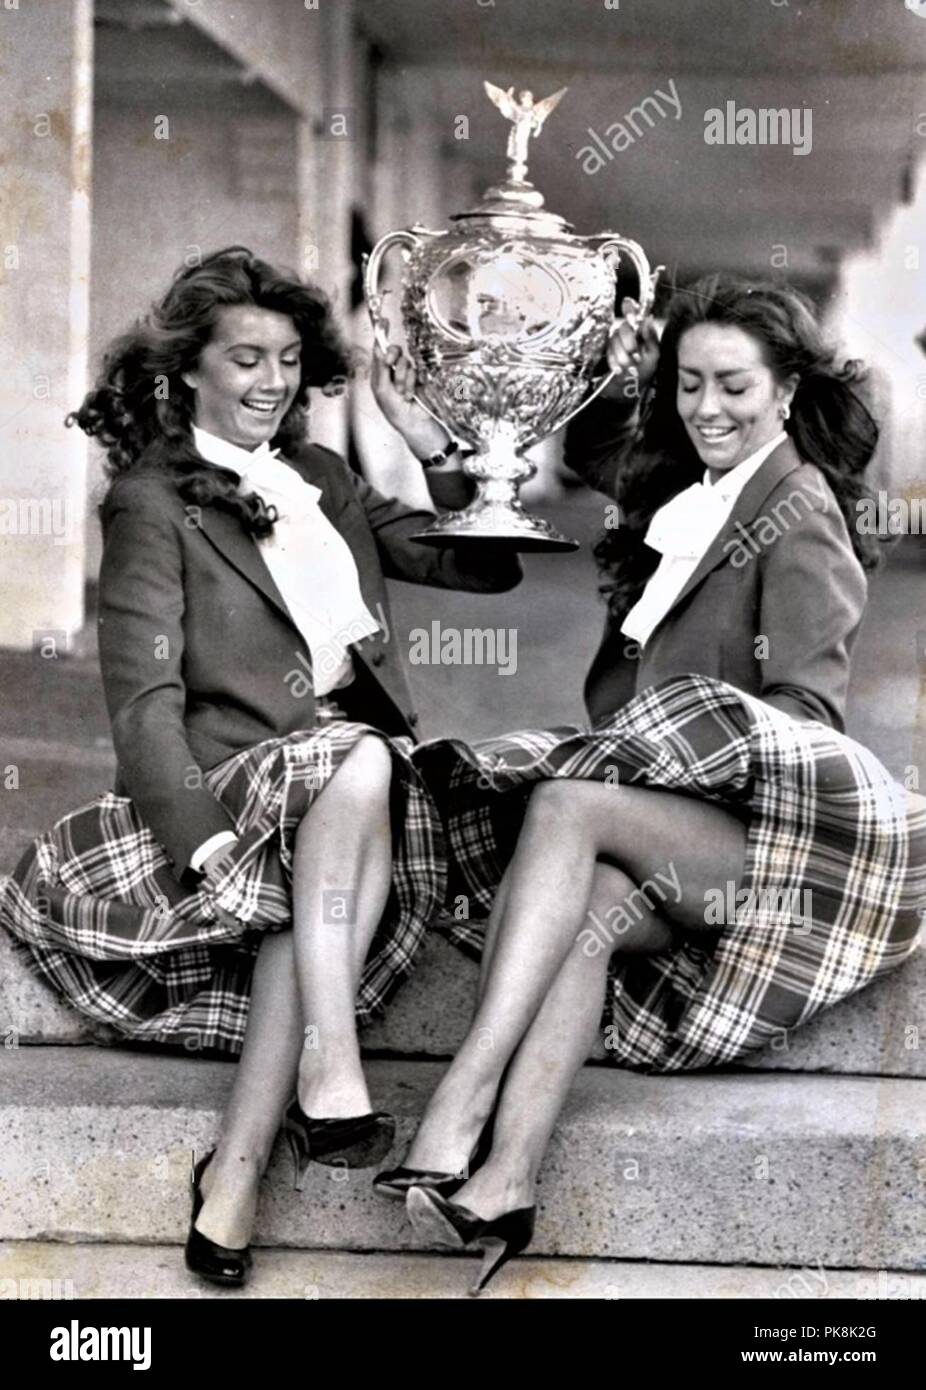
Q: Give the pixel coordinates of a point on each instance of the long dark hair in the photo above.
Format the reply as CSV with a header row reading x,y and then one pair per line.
x,y
829,424
140,399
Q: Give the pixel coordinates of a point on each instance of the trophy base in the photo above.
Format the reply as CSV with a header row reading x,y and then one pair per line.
x,y
495,524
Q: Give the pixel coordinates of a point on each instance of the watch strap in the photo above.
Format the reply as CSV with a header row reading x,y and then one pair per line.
x,y
442,455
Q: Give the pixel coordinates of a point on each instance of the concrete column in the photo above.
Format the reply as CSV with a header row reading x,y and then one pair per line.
x,y
385,460
406,188
328,154
425,126
388,210
879,314
44,302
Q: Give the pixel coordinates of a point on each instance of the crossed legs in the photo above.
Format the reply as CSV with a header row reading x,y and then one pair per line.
x,y
582,845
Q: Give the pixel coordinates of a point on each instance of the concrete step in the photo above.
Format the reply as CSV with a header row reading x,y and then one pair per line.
x,y
879,1032
767,1170
41,1269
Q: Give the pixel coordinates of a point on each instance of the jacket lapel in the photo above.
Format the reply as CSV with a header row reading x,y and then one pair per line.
x,y
229,537
225,531
309,467
782,461
240,550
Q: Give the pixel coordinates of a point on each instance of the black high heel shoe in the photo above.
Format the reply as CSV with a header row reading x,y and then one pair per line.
x,y
360,1141
217,1263
448,1223
397,1182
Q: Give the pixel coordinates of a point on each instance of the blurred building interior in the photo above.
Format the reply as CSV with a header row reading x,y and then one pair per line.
x,y
305,130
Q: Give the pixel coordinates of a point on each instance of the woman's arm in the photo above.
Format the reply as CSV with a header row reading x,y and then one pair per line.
x,y
598,439
813,596
481,568
141,651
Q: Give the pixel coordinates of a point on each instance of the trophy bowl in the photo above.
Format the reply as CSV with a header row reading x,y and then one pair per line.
x,y
506,318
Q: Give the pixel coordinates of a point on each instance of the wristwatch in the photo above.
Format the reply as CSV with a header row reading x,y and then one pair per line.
x,y
442,455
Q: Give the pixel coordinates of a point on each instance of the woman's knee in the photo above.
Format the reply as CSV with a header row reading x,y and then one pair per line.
x,y
562,801
366,771
610,888
621,918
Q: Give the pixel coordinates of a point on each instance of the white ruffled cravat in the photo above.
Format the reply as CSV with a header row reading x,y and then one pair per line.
x,y
679,528
266,472
311,563
682,531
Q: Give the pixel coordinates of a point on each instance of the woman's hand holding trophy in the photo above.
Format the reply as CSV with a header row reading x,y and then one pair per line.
x,y
632,353
394,382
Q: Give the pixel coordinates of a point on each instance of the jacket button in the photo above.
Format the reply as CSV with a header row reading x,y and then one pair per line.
x,y
413,719
377,658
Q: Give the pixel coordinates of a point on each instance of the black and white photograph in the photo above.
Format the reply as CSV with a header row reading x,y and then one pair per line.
x,y
463,665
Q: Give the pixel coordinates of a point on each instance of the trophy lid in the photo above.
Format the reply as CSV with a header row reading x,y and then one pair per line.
x,y
516,201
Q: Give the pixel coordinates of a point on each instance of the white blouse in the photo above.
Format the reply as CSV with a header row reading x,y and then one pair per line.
x,y
682,531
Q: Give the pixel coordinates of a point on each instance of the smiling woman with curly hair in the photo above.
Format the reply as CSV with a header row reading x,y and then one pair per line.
x,y
263,873
143,404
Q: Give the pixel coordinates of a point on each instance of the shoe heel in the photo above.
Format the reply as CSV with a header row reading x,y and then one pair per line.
x,y
508,1235
300,1159
444,1222
495,1254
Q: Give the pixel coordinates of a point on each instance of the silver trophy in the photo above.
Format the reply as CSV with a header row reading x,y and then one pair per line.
x,y
507,316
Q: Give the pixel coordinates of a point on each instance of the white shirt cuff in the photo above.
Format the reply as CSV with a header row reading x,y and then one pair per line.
x,y
200,855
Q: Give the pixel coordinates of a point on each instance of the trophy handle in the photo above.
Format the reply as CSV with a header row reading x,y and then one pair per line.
x,y
372,266
410,238
648,279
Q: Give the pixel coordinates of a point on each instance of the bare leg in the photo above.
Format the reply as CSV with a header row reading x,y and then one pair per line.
x,y
342,847
647,933
496,917
264,1080
341,879
688,847
558,1040
553,1050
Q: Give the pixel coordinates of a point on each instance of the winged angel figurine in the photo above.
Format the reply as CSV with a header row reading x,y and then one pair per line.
x,y
527,118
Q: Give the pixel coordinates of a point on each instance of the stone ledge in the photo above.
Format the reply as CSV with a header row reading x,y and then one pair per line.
x,y
721,1169
157,1271
865,1036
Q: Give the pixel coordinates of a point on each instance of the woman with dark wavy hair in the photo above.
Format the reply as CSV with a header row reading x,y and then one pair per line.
x,y
716,859
261,877
829,424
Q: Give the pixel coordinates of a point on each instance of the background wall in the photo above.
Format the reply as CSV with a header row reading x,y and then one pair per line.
x,y
250,93
224,176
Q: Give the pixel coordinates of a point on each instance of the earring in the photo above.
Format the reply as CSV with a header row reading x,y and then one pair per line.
x,y
784,410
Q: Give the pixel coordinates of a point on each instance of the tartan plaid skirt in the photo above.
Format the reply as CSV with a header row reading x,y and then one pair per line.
x,y
100,917
828,829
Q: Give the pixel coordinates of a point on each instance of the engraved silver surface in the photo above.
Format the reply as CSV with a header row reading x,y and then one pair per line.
x,y
506,316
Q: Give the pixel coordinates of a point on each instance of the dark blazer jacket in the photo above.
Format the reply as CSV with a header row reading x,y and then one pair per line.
x,y
199,654
782,568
